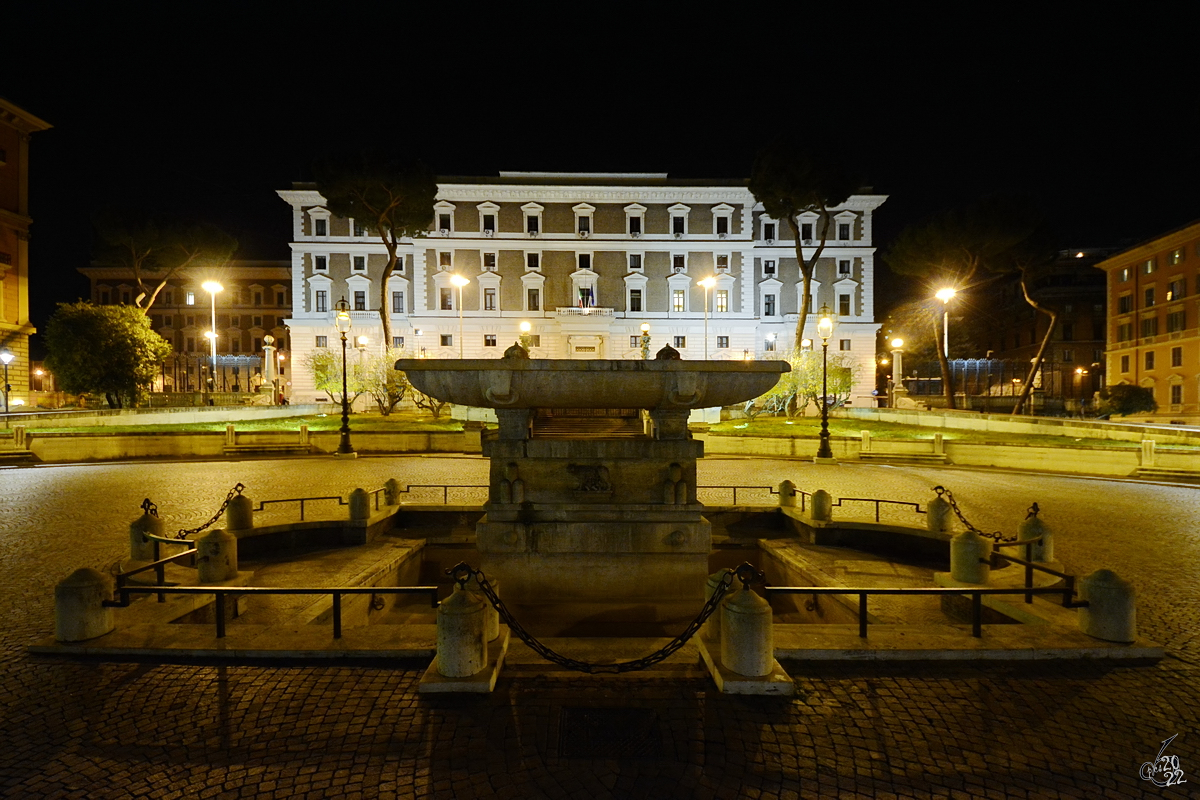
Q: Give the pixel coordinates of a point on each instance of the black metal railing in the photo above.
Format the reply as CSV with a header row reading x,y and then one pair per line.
x,y
771,490
221,594
841,501
341,501
444,487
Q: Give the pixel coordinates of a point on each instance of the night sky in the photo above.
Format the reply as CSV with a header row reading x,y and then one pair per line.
x,y
206,112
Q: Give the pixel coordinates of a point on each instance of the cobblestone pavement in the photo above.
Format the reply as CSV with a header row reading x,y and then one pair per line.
x,y
151,730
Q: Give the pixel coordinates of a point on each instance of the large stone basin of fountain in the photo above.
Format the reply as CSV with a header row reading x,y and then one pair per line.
x,y
554,383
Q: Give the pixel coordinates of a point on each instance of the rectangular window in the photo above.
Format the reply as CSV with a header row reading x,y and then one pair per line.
x,y
1125,332
360,301
722,226
768,305
722,301
722,342
489,299
1176,321
806,231
1176,290
677,225
489,222
397,302
359,230
584,223
104,298
843,344
322,341
635,341
635,261
1068,332
680,342
1124,363
769,343
257,323
843,305
320,263
679,263
677,300
1149,359
447,339
320,227
1150,327
533,261
1176,356
446,299
236,346
1125,304
191,298
532,224
769,231
279,299
445,260
768,268
444,222
1176,394
489,340
722,263
585,261
360,263
844,231
1068,356
489,262
398,342
322,301
1123,274
168,298
191,344
1177,256
635,299
1148,267
1149,297
844,267
533,298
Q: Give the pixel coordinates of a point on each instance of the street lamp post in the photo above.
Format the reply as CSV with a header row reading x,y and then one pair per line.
x,y
269,370
645,341
825,330
946,295
707,283
342,323
460,282
7,357
898,390
212,287
525,339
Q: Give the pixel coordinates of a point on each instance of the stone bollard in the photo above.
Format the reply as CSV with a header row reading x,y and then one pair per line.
x,y
787,494
866,441
1111,614
230,436
239,516
19,441
1031,528
491,617
965,551
141,548
712,626
1147,453
79,612
937,515
216,557
391,492
747,644
360,504
822,506
939,444
461,647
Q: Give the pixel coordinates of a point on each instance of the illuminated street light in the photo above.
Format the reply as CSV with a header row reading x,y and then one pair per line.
x,y
824,330
707,283
946,295
7,357
898,389
460,282
212,287
525,340
342,323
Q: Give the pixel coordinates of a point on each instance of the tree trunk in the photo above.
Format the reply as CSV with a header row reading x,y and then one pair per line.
x,y
1027,389
806,273
385,310
943,362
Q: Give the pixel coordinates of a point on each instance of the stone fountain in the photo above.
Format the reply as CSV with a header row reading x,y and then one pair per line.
x,y
592,512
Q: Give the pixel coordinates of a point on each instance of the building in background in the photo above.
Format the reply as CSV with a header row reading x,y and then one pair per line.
x,y
254,302
16,128
1154,341
585,260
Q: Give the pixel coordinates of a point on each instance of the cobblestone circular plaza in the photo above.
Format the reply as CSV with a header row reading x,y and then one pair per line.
x,y
97,729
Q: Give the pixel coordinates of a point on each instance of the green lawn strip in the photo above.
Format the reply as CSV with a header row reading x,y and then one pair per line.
x,y
402,422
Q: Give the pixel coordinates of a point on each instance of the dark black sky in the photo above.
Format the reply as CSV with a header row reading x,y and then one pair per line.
x,y
204,111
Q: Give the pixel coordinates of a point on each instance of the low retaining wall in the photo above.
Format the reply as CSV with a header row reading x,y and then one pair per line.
x,y
180,415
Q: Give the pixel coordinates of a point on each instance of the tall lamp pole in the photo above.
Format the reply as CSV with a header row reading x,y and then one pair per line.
x,y
460,282
707,283
825,330
946,295
342,323
212,287
6,356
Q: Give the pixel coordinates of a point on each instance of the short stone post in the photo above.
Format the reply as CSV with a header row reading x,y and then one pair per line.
x,y
966,550
216,557
461,647
787,494
491,617
1110,614
79,611
360,505
239,515
303,434
937,515
866,442
822,506
230,436
19,437
939,445
1031,528
391,492
747,643
141,548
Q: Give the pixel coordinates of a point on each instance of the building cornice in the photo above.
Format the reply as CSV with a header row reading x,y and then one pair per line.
x,y
1150,247
466,192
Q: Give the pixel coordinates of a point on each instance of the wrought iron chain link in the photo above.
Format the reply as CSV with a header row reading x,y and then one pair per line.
x,y
994,535
234,492
575,665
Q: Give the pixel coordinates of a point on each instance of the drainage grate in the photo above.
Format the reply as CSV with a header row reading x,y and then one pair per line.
x,y
609,733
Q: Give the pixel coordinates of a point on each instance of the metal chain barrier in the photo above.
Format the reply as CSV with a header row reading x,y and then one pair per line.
x,y
994,535
234,492
463,572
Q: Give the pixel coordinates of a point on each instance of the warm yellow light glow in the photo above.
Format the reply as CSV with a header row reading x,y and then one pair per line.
x,y
945,295
883,362
708,282
770,337
363,341
268,340
525,328
209,335
1079,254
645,327
897,343
806,342
212,287
38,372
459,280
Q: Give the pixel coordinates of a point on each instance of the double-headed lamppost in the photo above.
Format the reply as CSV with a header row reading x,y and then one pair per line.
x,y
707,283
824,330
645,341
7,357
460,282
342,322
946,295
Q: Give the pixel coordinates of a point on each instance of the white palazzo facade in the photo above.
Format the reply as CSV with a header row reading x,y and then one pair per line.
x,y
585,259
